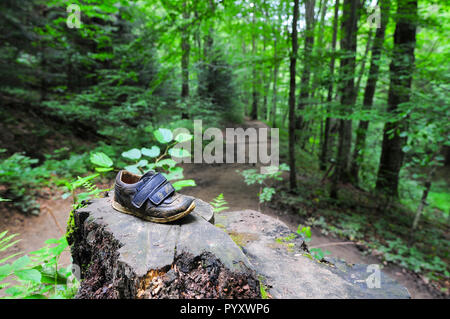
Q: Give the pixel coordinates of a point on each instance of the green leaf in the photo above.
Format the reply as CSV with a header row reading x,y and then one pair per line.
x,y
167,163
174,173
58,241
179,152
101,159
184,183
13,291
151,152
21,262
142,163
133,169
103,169
183,137
163,135
406,148
5,270
36,296
28,275
133,154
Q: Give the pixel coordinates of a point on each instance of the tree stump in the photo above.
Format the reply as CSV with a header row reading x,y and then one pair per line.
x,y
122,256
286,268
243,254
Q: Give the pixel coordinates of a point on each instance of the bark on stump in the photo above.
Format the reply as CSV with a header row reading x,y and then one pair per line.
x,y
121,256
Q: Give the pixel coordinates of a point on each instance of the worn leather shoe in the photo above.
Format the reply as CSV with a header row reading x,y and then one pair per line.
x,y
150,197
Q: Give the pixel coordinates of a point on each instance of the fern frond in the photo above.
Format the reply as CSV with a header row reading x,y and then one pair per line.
x,y
219,203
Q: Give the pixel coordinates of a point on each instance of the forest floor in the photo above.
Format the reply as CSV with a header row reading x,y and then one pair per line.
x,y
211,180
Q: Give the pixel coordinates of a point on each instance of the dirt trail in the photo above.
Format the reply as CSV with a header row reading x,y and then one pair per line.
x,y
212,180
215,179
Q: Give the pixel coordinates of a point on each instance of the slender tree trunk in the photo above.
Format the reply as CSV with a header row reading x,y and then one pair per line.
x,y
327,137
318,49
423,203
348,93
185,48
246,99
363,60
254,112
401,71
266,78
276,66
306,75
292,86
369,91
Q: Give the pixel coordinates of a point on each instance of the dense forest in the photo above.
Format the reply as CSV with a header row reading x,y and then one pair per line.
x,y
358,90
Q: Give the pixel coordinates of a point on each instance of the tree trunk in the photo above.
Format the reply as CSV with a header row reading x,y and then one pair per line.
x,y
369,91
185,48
254,112
347,91
327,137
401,71
423,203
292,85
306,75
276,66
363,60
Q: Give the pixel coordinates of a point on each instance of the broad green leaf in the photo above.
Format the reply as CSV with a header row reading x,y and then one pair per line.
x,y
142,163
101,159
52,241
168,162
174,173
163,135
21,262
5,270
151,152
133,154
184,183
183,137
179,152
133,169
28,275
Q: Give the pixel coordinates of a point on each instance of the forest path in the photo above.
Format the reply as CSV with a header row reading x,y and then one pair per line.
x,y
212,180
215,179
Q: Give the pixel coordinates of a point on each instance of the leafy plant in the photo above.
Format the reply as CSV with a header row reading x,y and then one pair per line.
x,y
36,275
219,204
317,253
252,176
103,164
305,232
160,160
20,178
410,257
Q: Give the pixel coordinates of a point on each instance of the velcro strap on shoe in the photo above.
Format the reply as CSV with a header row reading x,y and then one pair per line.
x,y
150,187
161,193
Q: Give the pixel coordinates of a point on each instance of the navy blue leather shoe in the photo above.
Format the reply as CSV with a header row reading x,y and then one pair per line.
x,y
150,197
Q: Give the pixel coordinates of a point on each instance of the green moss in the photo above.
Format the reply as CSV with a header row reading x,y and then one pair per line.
x,y
241,239
70,225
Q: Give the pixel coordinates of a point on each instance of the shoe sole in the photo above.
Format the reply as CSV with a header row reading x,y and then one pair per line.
x,y
125,210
